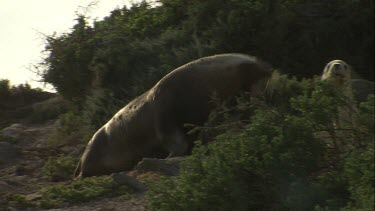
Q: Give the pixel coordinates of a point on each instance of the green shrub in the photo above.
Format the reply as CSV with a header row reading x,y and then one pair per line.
x,y
73,127
359,165
78,124
81,191
4,89
15,201
288,156
49,109
100,106
69,193
60,168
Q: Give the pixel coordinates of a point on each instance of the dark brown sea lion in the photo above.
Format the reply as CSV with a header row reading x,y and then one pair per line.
x,y
154,122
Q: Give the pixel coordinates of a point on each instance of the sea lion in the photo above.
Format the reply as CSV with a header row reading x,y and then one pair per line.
x,y
337,71
152,125
340,74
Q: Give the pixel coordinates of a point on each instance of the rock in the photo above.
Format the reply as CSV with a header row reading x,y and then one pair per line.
x,y
8,152
9,186
21,179
23,170
168,166
5,187
123,179
35,136
362,89
33,197
13,183
20,170
13,132
16,133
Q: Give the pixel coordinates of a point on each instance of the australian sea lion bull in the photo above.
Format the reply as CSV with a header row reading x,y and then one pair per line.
x,y
154,122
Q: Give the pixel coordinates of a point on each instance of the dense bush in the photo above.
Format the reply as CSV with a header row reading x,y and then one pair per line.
x,y
70,192
21,95
80,191
100,106
49,109
73,128
61,168
16,101
296,149
128,51
297,157
18,201
102,66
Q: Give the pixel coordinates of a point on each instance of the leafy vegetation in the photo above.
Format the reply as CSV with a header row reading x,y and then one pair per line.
x,y
81,191
49,109
15,102
132,48
61,168
304,157
15,200
73,129
291,150
76,192
19,95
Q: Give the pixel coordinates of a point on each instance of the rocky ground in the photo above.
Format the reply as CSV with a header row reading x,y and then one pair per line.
x,y
25,149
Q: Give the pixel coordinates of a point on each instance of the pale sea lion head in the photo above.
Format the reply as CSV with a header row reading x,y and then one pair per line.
x,y
337,71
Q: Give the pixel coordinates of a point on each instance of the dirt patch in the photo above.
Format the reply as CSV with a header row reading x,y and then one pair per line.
x,y
23,176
